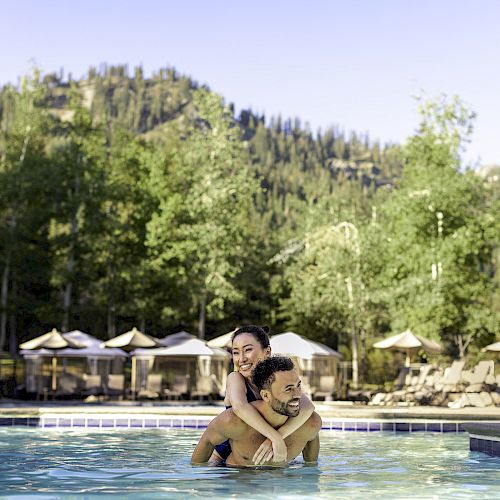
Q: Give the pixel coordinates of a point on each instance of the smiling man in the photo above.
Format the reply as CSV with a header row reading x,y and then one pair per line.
x,y
279,386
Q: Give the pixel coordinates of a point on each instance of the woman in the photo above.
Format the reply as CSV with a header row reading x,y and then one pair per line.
x,y
250,344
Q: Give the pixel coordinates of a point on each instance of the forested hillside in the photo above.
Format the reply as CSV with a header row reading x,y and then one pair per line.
x,y
128,201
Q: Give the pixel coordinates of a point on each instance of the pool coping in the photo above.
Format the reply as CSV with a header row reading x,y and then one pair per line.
x,y
339,410
484,437
125,421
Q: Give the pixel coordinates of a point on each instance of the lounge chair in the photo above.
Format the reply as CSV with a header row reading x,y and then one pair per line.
x,y
452,380
204,388
478,378
115,385
306,386
178,389
417,383
326,387
153,388
477,392
67,385
91,385
383,398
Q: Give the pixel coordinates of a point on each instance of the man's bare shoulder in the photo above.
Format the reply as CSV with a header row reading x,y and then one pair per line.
x,y
229,423
313,424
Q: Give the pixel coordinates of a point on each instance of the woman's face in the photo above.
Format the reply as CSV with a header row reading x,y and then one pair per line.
x,y
247,352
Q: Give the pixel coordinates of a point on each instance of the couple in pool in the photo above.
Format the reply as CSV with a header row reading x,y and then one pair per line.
x,y
268,421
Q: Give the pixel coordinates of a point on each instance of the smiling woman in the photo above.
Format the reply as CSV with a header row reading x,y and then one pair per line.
x,y
250,344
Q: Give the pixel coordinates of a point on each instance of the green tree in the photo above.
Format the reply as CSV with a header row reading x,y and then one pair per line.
x,y
441,231
24,182
79,157
197,236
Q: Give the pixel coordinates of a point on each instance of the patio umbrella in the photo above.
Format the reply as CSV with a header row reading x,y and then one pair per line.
x,y
409,342
176,338
492,347
223,341
292,344
53,341
191,347
129,341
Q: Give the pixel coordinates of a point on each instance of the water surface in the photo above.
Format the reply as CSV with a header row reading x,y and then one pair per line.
x,y
149,464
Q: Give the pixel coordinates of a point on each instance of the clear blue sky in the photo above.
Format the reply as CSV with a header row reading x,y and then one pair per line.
x,y
355,64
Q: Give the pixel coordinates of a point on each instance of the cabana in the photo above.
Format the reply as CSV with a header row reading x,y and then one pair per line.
x,y
176,338
223,341
187,367
317,363
90,362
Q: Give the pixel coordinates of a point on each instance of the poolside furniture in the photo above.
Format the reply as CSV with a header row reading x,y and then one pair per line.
x,y
480,390
91,385
492,347
326,387
478,378
115,385
407,388
68,385
306,386
153,388
417,384
204,388
178,389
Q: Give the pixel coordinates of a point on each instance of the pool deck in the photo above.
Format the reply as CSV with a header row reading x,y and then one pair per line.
x,y
183,408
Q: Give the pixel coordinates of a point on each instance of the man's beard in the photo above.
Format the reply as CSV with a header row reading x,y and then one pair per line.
x,y
284,409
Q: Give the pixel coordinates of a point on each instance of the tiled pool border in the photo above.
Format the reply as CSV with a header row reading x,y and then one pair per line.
x,y
132,421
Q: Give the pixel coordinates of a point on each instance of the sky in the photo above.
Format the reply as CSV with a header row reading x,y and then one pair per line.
x,y
352,64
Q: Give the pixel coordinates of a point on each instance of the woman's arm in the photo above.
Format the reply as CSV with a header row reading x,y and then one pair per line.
x,y
293,423
236,393
290,426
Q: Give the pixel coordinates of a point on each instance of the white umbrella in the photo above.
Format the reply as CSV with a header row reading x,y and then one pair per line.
x,y
492,347
176,338
91,348
409,342
292,344
130,341
222,341
191,347
50,342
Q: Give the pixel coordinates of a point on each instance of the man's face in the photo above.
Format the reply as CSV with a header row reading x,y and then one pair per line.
x,y
285,393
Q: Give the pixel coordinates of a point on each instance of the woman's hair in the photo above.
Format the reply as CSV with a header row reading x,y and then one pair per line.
x,y
260,334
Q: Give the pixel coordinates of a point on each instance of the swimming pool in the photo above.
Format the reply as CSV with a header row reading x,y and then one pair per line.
x,y
148,464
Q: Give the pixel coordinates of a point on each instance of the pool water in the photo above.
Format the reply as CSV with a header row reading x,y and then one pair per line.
x,y
148,464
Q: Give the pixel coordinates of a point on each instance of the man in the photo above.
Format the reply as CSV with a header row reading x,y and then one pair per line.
x,y
279,386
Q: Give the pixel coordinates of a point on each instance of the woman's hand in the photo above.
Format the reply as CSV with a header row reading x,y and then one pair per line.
x,y
271,450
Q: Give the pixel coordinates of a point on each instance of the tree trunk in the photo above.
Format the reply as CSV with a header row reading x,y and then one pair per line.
x,y
142,324
13,322
463,344
4,294
70,266
202,317
111,324
354,348
362,371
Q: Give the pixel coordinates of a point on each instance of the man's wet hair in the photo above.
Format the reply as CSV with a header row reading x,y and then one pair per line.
x,y
263,374
259,333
